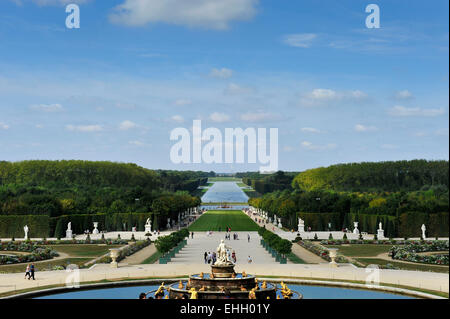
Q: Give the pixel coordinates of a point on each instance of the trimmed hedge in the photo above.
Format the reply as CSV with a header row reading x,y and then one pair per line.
x,y
282,246
12,226
108,222
166,243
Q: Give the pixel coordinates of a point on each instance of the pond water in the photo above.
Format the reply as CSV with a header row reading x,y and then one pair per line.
x,y
309,292
228,192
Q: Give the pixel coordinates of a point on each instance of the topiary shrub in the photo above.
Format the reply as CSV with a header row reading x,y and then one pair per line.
x,y
330,237
345,236
316,237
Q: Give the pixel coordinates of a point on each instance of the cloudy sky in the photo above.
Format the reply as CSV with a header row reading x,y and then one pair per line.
x,y
136,69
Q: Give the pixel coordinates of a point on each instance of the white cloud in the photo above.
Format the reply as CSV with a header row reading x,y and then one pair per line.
x,y
235,89
47,107
138,143
300,40
403,95
310,130
177,118
58,2
288,148
323,96
84,128
389,146
399,110
39,126
222,73
211,14
3,126
314,147
182,102
127,125
219,117
364,128
259,117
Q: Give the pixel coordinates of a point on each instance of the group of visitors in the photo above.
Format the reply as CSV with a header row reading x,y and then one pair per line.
x,y
209,233
210,258
29,271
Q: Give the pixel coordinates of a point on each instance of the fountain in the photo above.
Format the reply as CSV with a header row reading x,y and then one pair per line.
x,y
224,283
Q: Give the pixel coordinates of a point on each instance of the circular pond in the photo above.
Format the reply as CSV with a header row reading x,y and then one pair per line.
x,y
308,292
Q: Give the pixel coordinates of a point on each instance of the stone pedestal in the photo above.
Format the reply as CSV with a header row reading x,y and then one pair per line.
x,y
333,255
95,231
380,233
69,234
114,253
148,229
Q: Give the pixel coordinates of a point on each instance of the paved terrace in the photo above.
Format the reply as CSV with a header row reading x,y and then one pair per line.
x,y
425,280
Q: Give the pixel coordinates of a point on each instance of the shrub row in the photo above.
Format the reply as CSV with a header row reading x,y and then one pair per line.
x,y
282,246
12,225
166,243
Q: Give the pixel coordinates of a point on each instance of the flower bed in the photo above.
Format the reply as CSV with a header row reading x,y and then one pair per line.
x,y
321,251
410,252
37,253
373,242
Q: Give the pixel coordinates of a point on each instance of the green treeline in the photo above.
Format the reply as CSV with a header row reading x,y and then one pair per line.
x,y
375,177
263,183
401,195
67,189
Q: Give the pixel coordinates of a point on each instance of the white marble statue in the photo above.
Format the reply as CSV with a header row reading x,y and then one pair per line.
x,y
222,254
95,231
380,232
423,231
355,230
69,230
148,226
301,225
25,229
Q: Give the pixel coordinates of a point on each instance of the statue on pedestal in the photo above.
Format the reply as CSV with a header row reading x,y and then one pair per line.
x,y
355,230
222,255
148,226
301,225
95,231
423,231
25,229
69,230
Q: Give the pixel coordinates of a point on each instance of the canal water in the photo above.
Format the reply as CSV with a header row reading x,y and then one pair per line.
x,y
308,292
224,192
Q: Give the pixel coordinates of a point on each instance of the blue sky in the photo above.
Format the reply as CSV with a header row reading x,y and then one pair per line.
x,y
115,88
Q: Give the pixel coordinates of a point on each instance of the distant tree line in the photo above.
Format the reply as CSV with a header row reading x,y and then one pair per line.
x,y
402,195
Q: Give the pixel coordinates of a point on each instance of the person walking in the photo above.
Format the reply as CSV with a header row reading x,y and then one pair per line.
x,y
206,257
27,272
31,271
249,260
233,256
248,237
192,235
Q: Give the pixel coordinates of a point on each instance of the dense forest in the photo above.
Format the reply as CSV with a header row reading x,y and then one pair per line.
x,y
402,195
68,188
369,177
266,183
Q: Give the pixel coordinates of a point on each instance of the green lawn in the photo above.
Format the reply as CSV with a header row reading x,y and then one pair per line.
x,y
213,219
361,250
83,250
46,265
404,266
153,258
295,259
